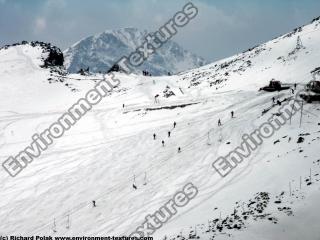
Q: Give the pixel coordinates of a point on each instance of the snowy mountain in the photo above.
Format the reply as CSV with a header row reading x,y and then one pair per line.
x,y
273,194
278,58
100,52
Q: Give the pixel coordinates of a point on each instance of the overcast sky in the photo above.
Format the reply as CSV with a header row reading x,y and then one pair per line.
x,y
221,29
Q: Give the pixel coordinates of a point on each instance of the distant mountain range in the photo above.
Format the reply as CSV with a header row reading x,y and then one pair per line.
x,y
101,51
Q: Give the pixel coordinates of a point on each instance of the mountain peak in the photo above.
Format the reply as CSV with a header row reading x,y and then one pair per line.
x,y
99,52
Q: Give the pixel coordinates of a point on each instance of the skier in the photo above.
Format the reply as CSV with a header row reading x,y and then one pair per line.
x,y
295,86
292,90
134,186
273,99
154,136
174,124
162,143
232,113
122,105
169,134
179,150
94,203
156,98
219,122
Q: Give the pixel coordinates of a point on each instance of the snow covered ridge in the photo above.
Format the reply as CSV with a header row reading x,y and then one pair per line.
x,y
100,52
274,59
53,57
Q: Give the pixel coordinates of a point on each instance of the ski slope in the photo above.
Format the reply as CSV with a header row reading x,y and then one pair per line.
x,y
98,158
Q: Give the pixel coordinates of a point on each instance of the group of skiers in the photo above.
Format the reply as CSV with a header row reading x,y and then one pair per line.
x,y
276,102
146,73
169,134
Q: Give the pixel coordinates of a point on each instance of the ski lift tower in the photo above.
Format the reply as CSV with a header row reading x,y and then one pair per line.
x,y
299,44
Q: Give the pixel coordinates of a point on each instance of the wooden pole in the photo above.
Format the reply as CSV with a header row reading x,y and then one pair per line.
x,y
145,178
300,182
294,101
301,114
68,222
310,176
290,188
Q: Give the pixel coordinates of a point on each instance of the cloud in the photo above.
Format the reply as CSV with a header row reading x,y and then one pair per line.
x,y
221,29
40,24
57,4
